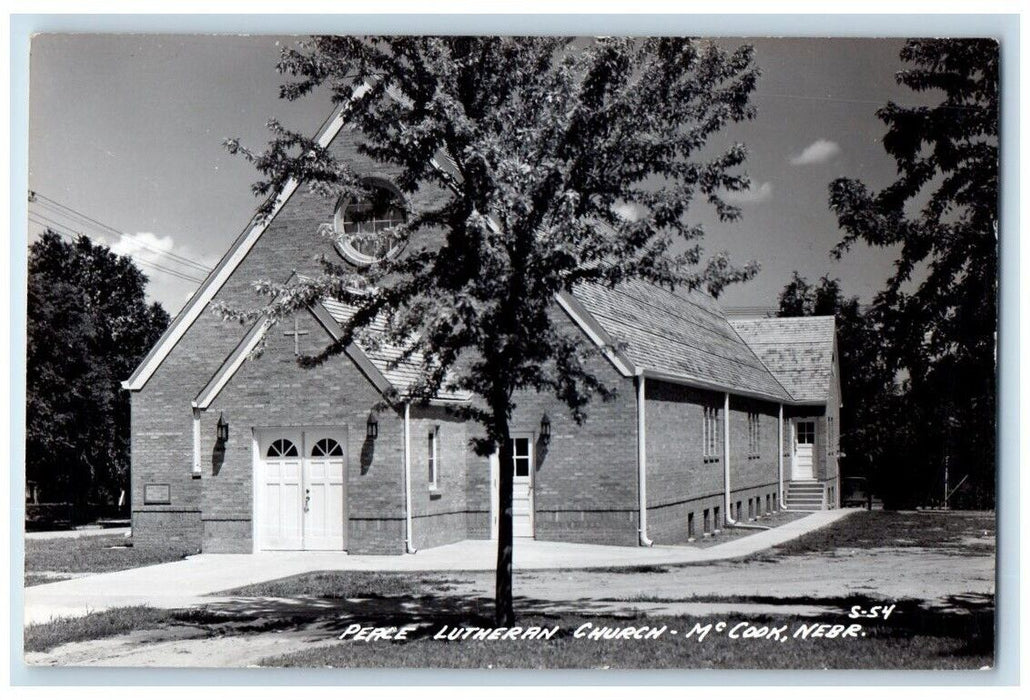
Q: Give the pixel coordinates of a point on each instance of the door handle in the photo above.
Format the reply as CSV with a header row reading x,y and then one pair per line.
x,y
307,499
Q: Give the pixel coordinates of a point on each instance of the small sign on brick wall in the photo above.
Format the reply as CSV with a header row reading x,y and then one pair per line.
x,y
157,494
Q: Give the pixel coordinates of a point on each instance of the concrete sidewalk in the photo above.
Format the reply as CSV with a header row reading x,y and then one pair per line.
x,y
185,583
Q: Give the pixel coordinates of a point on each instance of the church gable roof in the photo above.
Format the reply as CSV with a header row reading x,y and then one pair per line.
x,y
798,351
680,335
221,273
387,359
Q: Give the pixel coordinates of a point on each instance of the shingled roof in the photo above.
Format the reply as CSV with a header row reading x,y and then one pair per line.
x,y
798,351
682,334
400,373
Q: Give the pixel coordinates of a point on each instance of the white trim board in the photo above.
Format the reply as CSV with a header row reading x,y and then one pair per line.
x,y
229,368
222,272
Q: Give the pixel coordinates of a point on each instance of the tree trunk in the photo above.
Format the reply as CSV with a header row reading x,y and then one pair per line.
x,y
504,610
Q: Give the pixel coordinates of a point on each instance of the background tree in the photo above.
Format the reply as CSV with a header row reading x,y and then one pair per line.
x,y
539,147
939,309
88,327
871,414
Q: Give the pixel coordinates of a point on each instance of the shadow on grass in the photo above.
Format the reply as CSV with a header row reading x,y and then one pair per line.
x,y
969,618
336,614
959,634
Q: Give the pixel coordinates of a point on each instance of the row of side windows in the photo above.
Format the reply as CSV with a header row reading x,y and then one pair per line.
x,y
710,434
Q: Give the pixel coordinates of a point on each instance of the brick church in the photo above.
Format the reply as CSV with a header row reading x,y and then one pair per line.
x,y
715,422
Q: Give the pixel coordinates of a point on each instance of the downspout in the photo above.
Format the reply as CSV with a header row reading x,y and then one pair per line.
x,y
642,462
726,459
196,444
779,457
409,546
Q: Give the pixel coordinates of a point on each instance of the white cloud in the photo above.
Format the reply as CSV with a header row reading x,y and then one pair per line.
x,y
761,193
819,151
163,261
628,211
145,247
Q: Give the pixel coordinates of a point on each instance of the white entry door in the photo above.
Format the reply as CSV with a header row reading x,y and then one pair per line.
x,y
804,444
280,491
301,490
522,487
324,492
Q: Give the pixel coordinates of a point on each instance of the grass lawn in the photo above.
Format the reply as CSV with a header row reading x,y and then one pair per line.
x,y
911,639
37,579
93,554
923,642
47,635
962,532
140,618
917,635
346,584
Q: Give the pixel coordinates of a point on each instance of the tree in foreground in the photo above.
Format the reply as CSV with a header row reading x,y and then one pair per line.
x,y
558,163
88,327
939,309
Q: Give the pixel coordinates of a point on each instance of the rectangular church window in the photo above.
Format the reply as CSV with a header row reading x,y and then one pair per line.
x,y
521,456
432,456
710,433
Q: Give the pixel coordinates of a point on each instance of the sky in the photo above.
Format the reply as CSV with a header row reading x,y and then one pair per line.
x,y
126,132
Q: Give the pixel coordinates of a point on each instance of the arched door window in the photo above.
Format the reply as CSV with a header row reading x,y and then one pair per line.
x,y
326,447
282,448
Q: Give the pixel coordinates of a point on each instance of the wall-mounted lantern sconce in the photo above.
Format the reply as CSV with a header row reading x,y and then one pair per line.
x,y
372,426
545,428
223,429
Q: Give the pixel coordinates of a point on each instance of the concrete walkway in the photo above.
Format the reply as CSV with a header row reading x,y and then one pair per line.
x,y
185,583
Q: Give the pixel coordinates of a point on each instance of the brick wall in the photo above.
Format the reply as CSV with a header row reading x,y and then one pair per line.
x,y
678,476
271,391
438,514
585,485
162,442
680,482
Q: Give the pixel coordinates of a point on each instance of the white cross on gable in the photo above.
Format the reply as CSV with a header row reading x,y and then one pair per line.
x,y
296,333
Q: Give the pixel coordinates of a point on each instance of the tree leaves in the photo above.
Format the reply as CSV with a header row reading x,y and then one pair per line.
x,y
88,328
939,308
532,143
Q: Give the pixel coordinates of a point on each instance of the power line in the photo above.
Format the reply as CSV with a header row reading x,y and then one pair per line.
x,y
65,210
157,267
50,224
81,220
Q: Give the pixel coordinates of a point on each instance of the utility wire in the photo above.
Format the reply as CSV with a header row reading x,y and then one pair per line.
x,y
48,223
63,209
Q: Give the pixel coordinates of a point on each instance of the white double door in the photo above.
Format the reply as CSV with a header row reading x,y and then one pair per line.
x,y
301,489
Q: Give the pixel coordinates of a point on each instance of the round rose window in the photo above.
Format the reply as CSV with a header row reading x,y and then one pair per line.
x,y
365,227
